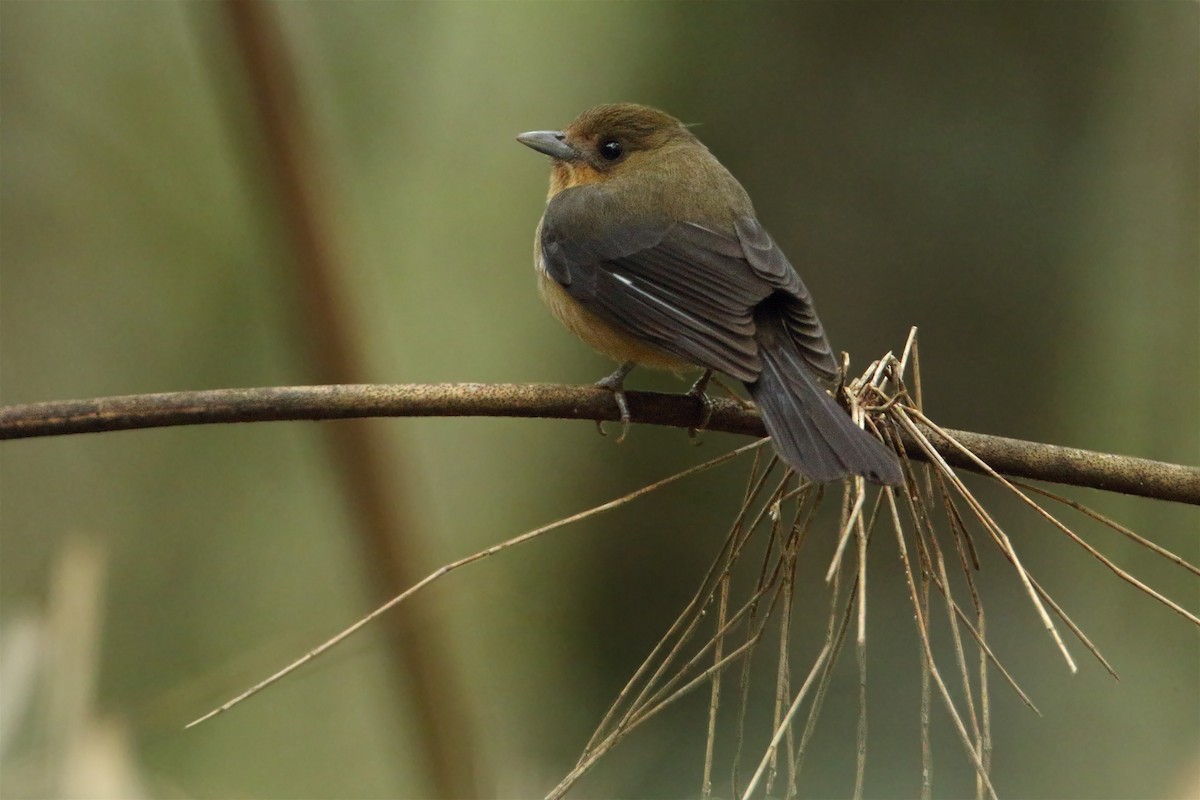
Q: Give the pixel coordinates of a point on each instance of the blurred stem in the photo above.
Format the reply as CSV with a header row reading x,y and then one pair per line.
x,y
1012,457
371,481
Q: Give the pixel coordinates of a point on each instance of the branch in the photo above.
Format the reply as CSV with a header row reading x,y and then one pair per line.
x,y
1013,457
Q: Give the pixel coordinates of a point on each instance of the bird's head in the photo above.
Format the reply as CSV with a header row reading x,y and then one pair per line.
x,y
608,141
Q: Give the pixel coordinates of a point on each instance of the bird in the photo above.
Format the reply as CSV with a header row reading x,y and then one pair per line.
x,y
650,251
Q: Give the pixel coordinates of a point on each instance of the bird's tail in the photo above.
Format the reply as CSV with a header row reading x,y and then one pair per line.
x,y
811,432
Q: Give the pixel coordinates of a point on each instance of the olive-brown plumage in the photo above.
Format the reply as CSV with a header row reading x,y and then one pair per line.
x,y
650,251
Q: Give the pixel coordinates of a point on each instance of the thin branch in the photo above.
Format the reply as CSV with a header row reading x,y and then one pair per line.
x,y
460,563
1013,457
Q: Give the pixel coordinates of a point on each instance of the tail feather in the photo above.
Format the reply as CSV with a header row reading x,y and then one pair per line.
x,y
812,433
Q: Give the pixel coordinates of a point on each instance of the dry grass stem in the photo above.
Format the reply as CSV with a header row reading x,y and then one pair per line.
x,y
738,602
462,562
683,661
1121,529
920,613
993,529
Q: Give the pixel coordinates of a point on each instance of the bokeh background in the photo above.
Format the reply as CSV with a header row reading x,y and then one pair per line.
x,y
1019,180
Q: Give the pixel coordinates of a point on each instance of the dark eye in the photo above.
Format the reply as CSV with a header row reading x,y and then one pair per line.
x,y
611,150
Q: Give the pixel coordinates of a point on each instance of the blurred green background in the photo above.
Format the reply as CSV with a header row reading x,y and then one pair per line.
x,y
1019,180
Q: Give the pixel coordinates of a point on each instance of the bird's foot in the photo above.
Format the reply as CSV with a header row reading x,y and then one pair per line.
x,y
615,383
697,391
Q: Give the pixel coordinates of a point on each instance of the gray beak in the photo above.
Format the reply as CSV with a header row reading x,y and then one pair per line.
x,y
552,143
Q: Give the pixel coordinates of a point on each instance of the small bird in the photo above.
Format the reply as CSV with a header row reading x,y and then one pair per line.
x,y
650,252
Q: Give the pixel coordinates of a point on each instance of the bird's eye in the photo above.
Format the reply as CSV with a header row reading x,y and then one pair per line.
x,y
611,150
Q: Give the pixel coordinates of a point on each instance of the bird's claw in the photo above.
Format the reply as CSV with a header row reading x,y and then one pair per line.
x,y
697,391
623,406
615,383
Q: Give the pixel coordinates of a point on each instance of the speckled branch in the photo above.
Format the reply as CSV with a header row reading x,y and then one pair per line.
x,y
1014,457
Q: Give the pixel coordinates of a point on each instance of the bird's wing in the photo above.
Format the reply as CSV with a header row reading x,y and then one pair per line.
x,y
686,289
800,316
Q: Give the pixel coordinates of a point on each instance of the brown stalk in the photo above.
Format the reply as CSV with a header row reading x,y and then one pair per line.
x,y
1012,457
372,479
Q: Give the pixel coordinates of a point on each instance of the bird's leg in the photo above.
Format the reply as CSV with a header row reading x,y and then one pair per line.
x,y
697,391
615,383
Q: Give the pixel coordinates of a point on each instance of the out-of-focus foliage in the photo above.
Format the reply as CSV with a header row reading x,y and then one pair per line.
x,y
1019,180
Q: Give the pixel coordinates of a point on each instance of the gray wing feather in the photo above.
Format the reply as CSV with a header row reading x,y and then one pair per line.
x,y
768,261
685,288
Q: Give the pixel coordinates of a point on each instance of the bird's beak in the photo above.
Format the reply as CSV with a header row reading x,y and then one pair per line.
x,y
552,143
